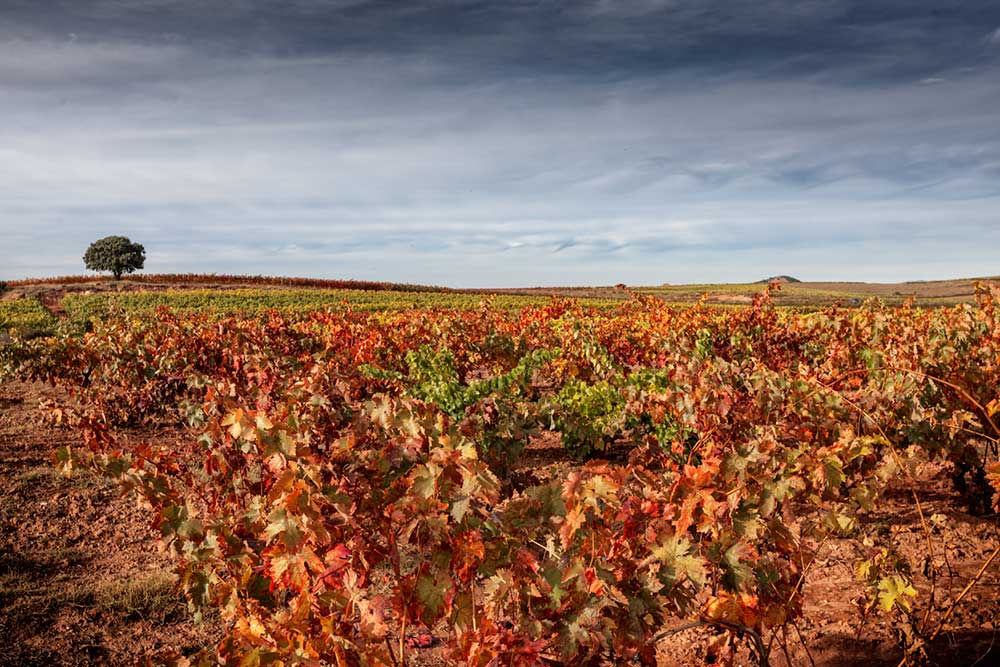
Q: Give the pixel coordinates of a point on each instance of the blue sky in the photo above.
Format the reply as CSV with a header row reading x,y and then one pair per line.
x,y
504,143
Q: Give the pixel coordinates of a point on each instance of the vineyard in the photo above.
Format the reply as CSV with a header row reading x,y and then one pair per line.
x,y
24,315
352,487
224,279
242,301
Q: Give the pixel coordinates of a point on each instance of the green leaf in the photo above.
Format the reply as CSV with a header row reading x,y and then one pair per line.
x,y
678,561
833,473
286,526
432,591
737,572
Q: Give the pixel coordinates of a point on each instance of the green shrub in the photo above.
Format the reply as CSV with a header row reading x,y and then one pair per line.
x,y
589,416
496,413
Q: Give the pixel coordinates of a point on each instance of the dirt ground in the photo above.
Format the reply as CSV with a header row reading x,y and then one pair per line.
x,y
79,582
81,585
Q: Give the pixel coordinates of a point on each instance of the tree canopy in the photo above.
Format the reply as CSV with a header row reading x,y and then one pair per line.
x,y
117,254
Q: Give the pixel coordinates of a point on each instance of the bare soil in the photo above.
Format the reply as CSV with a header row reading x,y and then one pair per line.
x,y
81,579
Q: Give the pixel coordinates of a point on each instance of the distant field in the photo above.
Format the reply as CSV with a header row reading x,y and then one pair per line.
x,y
34,304
217,279
931,293
84,306
24,314
822,294
809,294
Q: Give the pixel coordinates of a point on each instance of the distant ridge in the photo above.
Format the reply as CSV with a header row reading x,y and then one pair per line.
x,y
779,279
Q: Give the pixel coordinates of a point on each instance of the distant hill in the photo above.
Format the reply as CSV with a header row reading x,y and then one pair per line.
x,y
780,279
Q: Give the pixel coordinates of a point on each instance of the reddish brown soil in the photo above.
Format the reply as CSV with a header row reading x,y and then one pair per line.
x,y
81,579
81,583
961,543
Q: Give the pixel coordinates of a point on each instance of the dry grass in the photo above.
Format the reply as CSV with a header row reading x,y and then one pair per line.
x,y
152,596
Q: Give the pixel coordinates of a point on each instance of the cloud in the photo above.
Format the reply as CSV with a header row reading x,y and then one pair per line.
x,y
478,143
45,63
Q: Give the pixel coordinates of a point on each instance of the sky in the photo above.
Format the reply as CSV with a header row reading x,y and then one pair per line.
x,y
516,143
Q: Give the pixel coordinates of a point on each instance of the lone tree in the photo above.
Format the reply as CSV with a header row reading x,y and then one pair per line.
x,y
116,254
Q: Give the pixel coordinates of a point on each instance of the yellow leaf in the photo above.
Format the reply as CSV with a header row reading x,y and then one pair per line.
x,y
993,407
723,608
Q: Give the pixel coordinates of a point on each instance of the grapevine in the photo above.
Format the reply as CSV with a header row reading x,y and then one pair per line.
x,y
348,474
